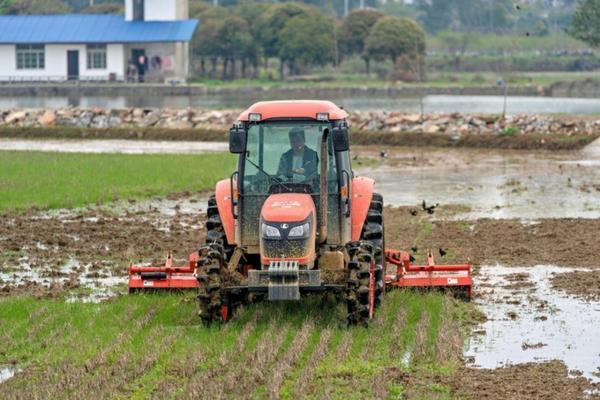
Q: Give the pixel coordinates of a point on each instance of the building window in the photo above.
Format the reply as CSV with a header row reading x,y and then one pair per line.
x,y
138,10
31,56
96,56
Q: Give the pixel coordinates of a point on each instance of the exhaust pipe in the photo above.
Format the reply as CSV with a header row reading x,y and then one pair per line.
x,y
324,194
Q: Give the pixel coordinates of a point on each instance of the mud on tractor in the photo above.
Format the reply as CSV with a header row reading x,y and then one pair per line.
x,y
294,219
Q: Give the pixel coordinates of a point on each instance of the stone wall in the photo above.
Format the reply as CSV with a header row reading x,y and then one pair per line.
x,y
440,123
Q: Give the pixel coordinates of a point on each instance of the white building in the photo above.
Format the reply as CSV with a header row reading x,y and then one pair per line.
x,y
151,43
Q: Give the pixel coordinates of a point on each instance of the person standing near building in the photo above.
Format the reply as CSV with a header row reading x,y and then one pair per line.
x,y
141,68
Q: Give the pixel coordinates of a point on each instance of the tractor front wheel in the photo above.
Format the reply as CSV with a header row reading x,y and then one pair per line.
x,y
358,286
210,296
215,232
373,233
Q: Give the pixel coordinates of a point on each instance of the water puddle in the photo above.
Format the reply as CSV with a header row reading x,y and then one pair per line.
x,y
95,285
529,321
190,205
7,372
112,146
495,184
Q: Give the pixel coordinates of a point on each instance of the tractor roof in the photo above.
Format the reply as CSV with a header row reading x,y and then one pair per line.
x,y
293,109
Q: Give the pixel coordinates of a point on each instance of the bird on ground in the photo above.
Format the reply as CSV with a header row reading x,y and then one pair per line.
x,y
429,209
411,258
355,157
414,249
443,252
518,7
383,154
413,213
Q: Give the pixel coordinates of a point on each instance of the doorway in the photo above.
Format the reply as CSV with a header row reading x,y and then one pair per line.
x,y
140,61
72,65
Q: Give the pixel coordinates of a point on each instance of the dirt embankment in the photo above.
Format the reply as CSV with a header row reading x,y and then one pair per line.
x,y
532,141
383,128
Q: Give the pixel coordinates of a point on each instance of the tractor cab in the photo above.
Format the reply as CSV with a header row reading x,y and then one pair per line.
x,y
285,166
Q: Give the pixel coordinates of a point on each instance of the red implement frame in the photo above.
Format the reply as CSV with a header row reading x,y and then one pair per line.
x,y
165,277
427,276
415,276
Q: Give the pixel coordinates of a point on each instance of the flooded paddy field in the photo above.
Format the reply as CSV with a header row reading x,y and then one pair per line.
x,y
493,184
528,221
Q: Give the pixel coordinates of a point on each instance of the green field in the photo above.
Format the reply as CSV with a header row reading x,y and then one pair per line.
x,y
145,346
54,180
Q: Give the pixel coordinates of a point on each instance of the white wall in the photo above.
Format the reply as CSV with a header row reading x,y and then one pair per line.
x,y
56,63
160,10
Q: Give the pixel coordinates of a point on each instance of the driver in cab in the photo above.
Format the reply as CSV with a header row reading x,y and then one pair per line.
x,y
300,162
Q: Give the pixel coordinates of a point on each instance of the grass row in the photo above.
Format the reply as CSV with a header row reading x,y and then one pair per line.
x,y
55,180
277,350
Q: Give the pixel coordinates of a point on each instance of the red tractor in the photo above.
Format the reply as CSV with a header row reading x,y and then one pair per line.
x,y
294,219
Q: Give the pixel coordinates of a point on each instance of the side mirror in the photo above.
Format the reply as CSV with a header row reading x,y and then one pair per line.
x,y
341,140
237,140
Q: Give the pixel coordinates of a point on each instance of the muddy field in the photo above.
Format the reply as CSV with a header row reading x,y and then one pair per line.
x,y
107,240
527,221
45,254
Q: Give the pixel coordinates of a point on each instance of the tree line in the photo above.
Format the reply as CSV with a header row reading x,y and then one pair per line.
x,y
250,38
243,38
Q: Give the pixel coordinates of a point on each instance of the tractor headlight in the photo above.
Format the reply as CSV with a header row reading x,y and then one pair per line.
x,y
270,232
300,231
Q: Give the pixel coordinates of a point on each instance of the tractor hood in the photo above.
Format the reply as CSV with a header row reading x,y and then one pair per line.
x,y
288,207
288,229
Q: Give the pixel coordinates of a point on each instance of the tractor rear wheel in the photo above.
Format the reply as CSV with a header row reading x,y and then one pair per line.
x,y
357,286
373,233
215,232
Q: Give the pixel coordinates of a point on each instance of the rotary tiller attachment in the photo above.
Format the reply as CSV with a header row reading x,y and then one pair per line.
x,y
457,277
165,277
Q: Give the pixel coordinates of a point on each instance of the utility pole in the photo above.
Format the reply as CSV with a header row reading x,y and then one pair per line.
x,y
346,8
362,4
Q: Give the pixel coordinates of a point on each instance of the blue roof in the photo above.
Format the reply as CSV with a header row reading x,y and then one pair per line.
x,y
76,29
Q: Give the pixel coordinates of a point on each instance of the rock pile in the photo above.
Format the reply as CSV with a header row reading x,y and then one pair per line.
x,y
456,124
99,118
452,124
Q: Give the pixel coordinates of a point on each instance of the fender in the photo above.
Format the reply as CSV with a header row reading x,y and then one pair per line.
x,y
362,194
223,197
